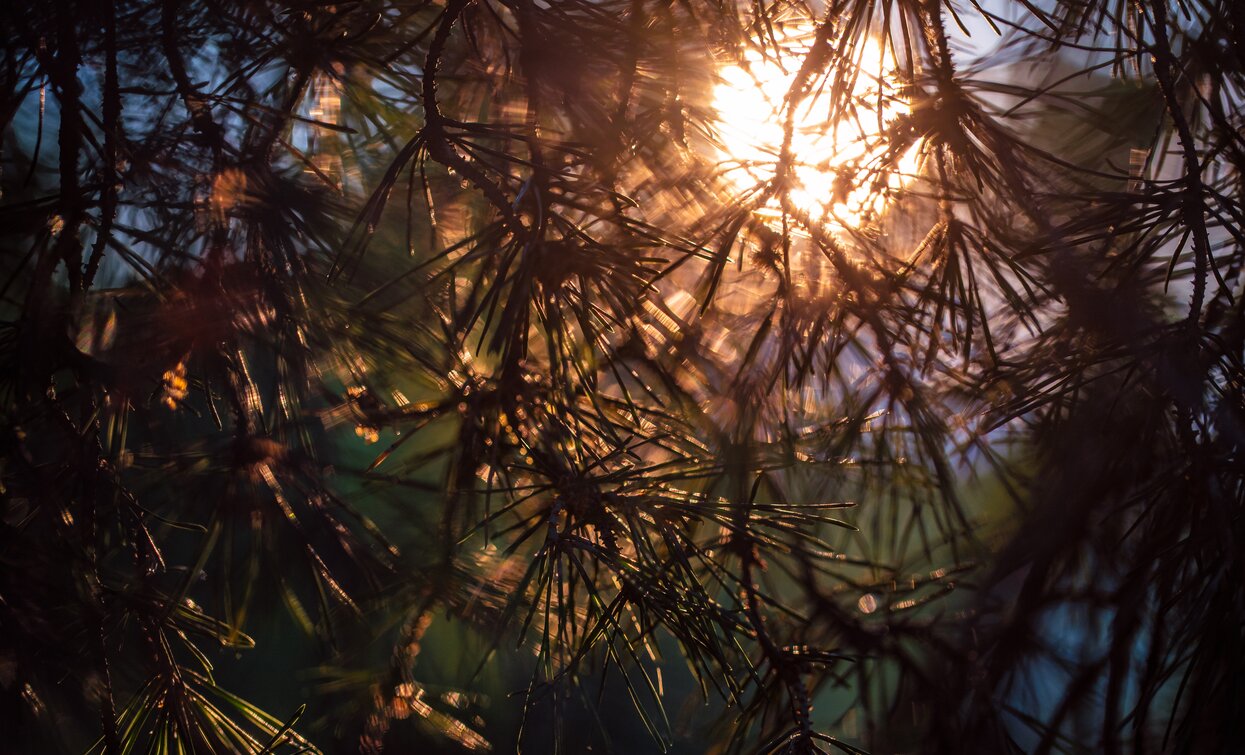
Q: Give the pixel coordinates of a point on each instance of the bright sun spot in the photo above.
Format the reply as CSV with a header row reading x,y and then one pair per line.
x,y
839,176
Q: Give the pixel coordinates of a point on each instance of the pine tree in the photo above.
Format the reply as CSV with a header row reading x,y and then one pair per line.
x,y
905,417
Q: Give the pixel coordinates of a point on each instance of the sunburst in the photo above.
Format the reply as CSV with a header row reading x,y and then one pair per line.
x,y
839,175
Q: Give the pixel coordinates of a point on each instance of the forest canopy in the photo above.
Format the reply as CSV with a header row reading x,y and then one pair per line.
x,y
622,376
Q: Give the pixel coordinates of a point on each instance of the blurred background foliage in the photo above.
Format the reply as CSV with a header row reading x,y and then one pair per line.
x,y
442,376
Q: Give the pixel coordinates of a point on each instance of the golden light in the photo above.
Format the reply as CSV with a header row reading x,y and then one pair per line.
x,y
838,169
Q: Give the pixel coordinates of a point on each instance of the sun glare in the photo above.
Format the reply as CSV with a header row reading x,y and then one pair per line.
x,y
838,172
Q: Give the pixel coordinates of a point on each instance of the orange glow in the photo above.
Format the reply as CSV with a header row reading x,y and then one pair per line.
x,y
838,171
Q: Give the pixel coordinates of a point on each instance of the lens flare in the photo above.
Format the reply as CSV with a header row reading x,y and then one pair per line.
x,y
839,173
